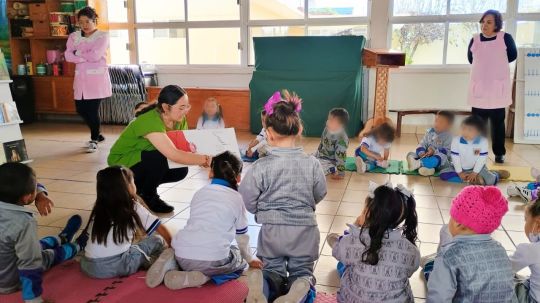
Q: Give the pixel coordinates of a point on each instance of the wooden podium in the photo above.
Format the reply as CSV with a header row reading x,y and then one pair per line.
x,y
382,60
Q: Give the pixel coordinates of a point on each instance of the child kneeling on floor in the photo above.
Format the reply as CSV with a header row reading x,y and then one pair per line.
x,y
204,249
528,255
24,258
469,156
375,148
332,151
470,266
378,254
433,152
528,193
122,231
282,190
258,147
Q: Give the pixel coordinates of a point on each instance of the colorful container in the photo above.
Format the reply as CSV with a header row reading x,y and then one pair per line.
x,y
59,30
79,4
41,69
67,7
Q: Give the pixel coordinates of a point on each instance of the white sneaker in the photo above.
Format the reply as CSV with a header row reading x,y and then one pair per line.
x,y
361,166
92,147
516,191
383,164
165,263
297,292
426,172
414,164
184,279
535,173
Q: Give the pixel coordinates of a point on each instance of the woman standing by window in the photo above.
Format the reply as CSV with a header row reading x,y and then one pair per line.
x,y
87,48
490,91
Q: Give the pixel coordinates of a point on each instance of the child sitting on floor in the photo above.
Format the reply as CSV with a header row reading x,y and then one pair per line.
x,y
204,248
332,151
528,255
282,190
258,147
469,156
122,238
472,267
378,254
212,116
528,193
24,258
434,150
375,148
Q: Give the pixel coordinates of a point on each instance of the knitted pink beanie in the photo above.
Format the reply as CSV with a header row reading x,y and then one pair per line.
x,y
479,208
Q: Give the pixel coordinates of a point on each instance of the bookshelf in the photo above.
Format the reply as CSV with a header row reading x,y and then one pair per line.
x,y
9,131
52,94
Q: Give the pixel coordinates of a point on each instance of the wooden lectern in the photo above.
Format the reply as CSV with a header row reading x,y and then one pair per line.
x,y
382,60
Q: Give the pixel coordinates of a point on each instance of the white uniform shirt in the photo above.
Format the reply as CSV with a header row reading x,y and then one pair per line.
x,y
94,250
528,254
467,155
217,215
373,146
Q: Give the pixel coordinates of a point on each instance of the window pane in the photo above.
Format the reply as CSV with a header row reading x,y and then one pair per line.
x,y
337,8
476,6
214,46
117,10
459,36
338,30
162,46
275,9
528,33
271,31
159,10
529,6
419,7
119,40
212,10
422,42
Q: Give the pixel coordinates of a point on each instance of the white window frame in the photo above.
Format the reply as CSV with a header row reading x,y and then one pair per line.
x,y
244,24
510,18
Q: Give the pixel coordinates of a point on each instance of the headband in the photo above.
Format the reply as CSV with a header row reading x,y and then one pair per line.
x,y
287,97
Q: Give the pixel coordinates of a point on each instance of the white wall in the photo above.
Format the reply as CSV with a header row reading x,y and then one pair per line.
x,y
410,87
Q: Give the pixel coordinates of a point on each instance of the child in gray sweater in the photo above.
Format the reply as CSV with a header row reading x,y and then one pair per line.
x,y
378,255
282,190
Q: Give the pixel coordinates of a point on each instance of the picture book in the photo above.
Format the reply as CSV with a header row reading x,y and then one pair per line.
x,y
15,151
10,112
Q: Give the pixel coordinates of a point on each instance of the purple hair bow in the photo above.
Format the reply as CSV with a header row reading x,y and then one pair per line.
x,y
287,97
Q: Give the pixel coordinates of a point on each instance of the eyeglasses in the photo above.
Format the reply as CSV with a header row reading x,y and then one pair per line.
x,y
182,108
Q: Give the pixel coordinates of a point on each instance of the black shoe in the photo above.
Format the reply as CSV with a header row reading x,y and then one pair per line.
x,y
499,159
157,205
100,138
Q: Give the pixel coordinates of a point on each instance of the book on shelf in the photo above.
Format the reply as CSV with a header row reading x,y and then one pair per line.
x,y
15,151
4,73
2,119
10,112
2,154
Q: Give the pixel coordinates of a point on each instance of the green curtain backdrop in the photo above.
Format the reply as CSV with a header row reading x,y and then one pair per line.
x,y
325,71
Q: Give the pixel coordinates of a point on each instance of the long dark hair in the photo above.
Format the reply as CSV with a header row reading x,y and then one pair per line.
x,y
115,206
169,95
496,16
384,131
386,211
228,167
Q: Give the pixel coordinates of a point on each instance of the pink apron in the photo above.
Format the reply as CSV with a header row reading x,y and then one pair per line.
x,y
489,86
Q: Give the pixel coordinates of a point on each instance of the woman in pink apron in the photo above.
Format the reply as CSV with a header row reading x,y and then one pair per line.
x,y
87,48
490,91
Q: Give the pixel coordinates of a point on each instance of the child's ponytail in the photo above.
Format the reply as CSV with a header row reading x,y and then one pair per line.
x,y
410,225
228,167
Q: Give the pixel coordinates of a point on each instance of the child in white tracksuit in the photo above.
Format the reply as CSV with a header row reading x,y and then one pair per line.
x,y
282,190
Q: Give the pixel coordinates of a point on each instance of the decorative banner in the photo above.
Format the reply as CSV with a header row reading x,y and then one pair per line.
x,y
531,113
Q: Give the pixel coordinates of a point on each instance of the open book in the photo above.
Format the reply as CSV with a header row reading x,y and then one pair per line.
x,y
204,141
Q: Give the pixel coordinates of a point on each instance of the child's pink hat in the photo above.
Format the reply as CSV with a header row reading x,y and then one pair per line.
x,y
479,208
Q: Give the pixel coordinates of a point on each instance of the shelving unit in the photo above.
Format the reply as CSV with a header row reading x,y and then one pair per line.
x,y
53,94
9,131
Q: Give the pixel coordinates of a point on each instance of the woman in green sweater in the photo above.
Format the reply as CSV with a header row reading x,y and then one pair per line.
x,y
145,147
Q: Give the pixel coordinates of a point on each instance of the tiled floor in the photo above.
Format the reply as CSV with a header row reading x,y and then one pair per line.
x,y
69,174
